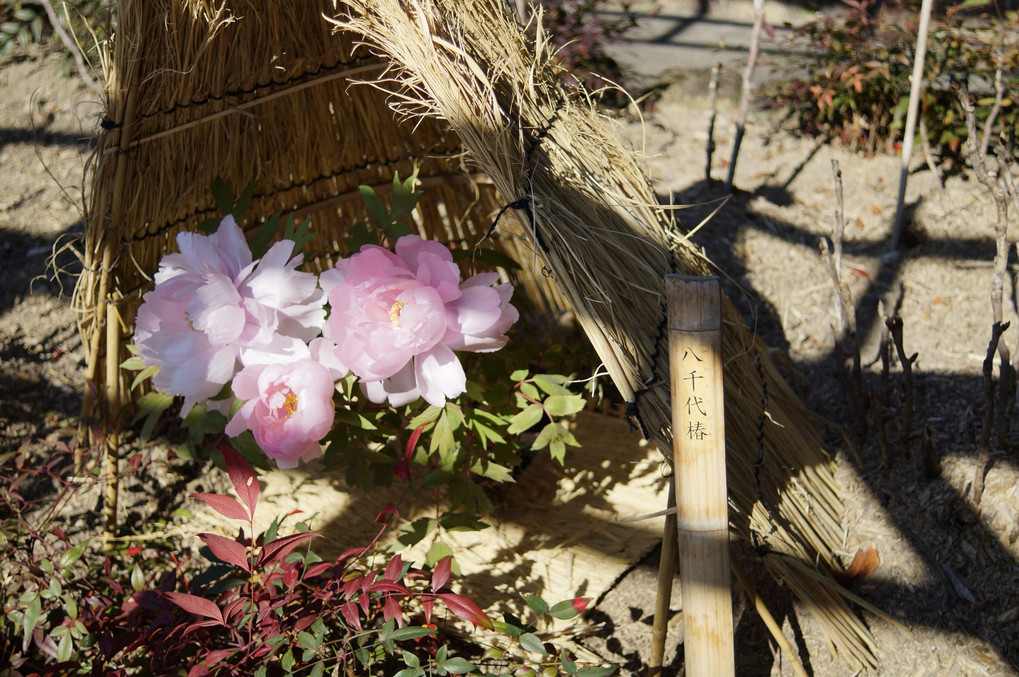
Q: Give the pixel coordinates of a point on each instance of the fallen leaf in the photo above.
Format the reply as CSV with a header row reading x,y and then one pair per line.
x,y
938,301
859,223
864,564
874,209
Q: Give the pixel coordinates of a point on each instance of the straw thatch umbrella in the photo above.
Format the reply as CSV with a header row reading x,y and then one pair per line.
x,y
262,93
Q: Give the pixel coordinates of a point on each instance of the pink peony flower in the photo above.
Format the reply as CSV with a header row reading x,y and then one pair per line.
x,y
397,317
289,409
213,310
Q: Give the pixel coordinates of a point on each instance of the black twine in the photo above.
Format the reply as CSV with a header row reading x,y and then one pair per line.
x,y
760,542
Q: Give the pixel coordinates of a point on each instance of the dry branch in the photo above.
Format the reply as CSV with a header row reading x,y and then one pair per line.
x,y
745,92
712,100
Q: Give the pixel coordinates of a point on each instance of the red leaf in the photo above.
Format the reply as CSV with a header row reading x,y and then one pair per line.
x,y
390,509
440,575
273,551
227,550
305,622
388,586
227,506
466,609
392,610
216,656
394,569
318,569
243,477
580,603
199,670
352,552
349,611
427,603
196,605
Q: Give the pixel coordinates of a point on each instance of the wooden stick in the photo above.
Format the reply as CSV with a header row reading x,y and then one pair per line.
x,y
915,88
702,506
666,572
112,425
769,620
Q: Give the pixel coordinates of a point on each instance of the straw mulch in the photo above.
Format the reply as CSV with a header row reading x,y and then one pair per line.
x,y
262,94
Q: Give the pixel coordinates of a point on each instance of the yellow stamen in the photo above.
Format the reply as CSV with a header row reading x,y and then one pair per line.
x,y
394,313
290,404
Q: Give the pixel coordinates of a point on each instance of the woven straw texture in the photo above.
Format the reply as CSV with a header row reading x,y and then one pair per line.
x,y
306,110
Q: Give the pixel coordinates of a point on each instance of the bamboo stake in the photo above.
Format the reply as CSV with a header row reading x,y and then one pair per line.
x,y
666,572
915,88
112,427
702,506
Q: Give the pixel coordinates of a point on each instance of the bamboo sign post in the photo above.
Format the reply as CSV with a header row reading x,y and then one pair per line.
x,y
702,506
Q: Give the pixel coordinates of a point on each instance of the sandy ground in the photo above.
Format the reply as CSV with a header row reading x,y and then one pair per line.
x,y
949,567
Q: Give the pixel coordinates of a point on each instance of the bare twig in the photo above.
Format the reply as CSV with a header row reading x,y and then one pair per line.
x,y
882,400
744,103
846,339
928,154
712,98
895,328
70,45
998,187
999,96
929,455
915,88
984,452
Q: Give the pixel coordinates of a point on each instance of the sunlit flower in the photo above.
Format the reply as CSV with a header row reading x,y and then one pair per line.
x,y
396,318
214,310
288,409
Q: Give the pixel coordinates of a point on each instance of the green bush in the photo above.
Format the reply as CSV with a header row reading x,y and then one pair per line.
x,y
853,84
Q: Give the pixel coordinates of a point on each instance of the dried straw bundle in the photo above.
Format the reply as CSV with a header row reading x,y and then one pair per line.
x,y
594,222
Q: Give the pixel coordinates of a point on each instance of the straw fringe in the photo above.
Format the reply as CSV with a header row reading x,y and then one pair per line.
x,y
259,93
594,221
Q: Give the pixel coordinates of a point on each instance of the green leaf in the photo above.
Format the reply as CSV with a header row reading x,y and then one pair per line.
x,y
525,420
595,672
519,375
530,642
456,416
416,532
32,613
376,208
528,390
459,521
318,670
73,555
457,666
553,384
411,632
557,451
307,641
223,194
564,405
287,662
427,416
546,435
442,436
410,672
438,551
492,471
537,604
65,648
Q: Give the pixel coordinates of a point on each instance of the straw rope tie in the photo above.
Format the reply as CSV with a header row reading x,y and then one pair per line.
x,y
307,183
297,78
759,541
